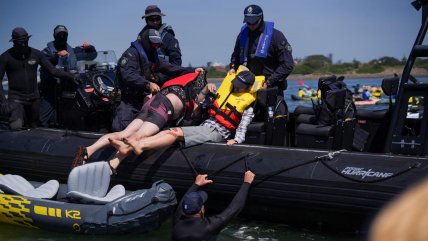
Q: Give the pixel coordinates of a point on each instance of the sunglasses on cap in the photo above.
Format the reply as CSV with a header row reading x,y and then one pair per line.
x,y
154,19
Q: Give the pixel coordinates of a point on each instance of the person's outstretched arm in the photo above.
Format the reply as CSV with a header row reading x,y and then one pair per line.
x,y
218,222
200,180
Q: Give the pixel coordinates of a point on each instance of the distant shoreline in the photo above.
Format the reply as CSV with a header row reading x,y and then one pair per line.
x,y
388,73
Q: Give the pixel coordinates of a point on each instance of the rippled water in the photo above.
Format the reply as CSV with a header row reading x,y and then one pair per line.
x,y
237,230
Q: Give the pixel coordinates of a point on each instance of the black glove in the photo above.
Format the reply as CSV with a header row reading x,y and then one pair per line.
x,y
77,80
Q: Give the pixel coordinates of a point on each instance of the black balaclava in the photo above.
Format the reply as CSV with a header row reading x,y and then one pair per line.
x,y
60,35
20,49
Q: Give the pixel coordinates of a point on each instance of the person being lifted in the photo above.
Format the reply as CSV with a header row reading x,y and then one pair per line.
x,y
176,101
137,75
20,63
231,111
264,51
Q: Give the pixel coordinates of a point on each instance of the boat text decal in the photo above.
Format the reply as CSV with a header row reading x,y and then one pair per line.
x,y
360,171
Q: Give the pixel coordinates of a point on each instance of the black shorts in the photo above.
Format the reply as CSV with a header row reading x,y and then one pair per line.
x,y
157,110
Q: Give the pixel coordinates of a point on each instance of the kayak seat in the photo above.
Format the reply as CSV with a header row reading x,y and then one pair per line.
x,y
265,129
89,183
14,184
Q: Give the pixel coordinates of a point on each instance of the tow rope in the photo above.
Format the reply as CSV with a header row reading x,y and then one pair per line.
x,y
322,159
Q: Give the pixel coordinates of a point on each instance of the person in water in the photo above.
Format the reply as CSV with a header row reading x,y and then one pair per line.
x,y
190,221
230,112
264,51
170,49
20,63
65,57
170,106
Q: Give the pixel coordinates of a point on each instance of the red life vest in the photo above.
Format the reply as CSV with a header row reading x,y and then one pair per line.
x,y
183,81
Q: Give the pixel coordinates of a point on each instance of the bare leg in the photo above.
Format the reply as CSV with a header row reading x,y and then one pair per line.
x,y
121,147
160,140
145,130
104,140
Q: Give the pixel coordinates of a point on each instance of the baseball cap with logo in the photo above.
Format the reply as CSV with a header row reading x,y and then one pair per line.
x,y
244,79
152,10
154,36
252,14
193,202
19,34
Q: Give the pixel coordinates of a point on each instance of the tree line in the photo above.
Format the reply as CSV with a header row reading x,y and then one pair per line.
x,y
320,64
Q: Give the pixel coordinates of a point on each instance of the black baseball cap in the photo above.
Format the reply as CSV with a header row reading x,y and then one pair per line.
x,y
19,34
193,202
252,14
60,29
154,36
152,10
244,79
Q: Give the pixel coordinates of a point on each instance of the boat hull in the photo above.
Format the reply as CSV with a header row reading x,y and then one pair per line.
x,y
293,185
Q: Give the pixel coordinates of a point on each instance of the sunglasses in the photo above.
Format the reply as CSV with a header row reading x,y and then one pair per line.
x,y
154,19
252,24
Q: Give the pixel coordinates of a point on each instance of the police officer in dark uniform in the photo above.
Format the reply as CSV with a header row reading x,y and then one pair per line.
x,y
137,75
62,56
269,56
170,49
20,63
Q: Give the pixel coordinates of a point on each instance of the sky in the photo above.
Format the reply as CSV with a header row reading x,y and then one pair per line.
x,y
207,29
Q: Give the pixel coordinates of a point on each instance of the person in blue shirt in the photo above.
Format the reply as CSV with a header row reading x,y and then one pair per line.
x,y
366,95
264,50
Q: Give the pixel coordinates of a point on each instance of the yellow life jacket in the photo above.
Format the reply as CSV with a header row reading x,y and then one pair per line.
x,y
228,106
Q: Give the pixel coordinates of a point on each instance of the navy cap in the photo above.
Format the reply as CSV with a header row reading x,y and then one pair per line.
x,y
252,14
19,34
193,202
59,29
152,10
154,36
244,79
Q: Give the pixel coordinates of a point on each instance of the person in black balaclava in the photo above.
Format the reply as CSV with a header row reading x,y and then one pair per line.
x,y
20,63
170,49
270,57
63,56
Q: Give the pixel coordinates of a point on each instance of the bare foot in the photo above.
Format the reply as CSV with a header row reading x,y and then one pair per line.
x,y
121,147
137,146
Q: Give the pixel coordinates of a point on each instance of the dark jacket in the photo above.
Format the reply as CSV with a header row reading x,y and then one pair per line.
x,y
170,47
207,228
276,66
47,81
134,77
21,72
